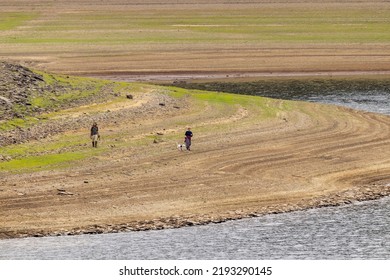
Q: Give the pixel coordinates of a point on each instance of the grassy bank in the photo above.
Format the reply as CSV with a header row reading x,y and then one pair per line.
x,y
34,128
52,94
65,112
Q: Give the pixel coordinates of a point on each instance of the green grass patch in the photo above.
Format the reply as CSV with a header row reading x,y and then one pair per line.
x,y
57,153
60,92
264,108
12,20
11,124
70,89
41,162
18,123
56,145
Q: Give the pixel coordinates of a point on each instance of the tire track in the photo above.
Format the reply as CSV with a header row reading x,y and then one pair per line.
x,y
258,167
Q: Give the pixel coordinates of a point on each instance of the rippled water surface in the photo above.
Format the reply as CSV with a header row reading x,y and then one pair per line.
x,y
374,101
359,231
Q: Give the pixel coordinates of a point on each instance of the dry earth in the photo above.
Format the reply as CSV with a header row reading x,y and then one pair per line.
x,y
135,51
311,156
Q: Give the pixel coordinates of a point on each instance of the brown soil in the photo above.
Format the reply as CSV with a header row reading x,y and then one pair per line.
x,y
313,156
147,61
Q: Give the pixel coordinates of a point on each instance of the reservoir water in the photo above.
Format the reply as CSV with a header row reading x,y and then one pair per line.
x,y
357,231
372,101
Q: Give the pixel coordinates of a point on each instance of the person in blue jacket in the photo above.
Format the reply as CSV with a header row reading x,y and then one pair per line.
x,y
187,139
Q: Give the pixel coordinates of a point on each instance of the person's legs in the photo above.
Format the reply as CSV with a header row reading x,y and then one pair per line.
x,y
188,143
94,140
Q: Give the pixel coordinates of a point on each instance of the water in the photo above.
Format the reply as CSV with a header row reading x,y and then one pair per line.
x,y
368,95
374,101
358,231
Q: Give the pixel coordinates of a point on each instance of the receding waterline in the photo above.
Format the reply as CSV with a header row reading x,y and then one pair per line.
x,y
357,231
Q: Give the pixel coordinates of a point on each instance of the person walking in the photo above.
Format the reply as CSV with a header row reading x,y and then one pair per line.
x,y
95,135
187,139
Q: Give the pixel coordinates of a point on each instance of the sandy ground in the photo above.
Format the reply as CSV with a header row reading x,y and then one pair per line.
x,y
312,156
230,54
239,166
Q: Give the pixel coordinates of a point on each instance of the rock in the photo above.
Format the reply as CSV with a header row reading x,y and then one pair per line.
x,y
63,192
6,100
5,158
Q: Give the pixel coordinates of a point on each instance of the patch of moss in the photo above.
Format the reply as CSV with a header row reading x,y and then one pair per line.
x,y
41,162
265,107
17,123
11,20
62,90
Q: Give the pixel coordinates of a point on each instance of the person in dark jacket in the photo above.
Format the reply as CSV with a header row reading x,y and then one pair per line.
x,y
187,139
95,135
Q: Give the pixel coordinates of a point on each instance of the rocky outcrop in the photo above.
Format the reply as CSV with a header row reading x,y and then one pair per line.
x,y
17,84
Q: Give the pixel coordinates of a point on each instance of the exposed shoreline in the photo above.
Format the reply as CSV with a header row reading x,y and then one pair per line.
x,y
251,156
309,156
366,193
203,76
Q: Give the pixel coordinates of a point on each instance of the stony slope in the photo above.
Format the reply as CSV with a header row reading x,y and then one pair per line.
x,y
17,84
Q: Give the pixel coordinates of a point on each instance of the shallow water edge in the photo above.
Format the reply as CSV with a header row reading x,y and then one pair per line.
x,y
357,194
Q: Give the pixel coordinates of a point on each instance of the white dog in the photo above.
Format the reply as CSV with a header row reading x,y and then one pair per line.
x,y
182,146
